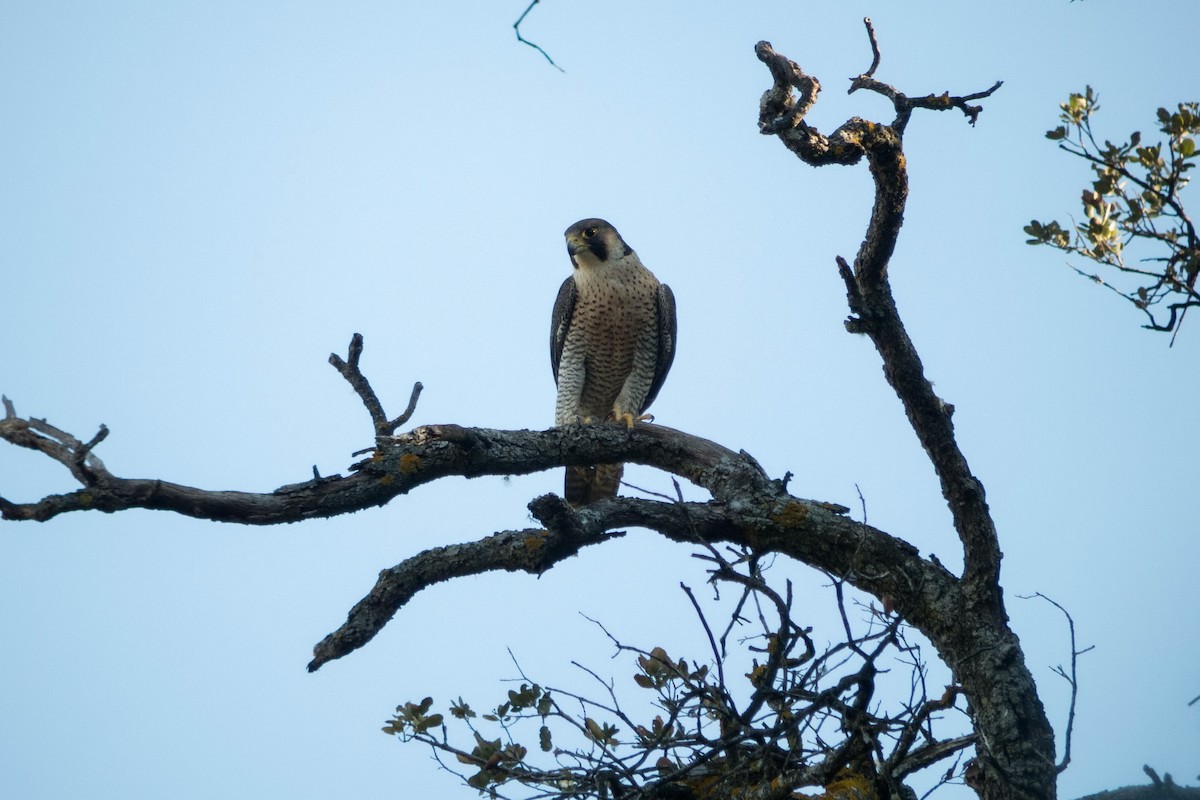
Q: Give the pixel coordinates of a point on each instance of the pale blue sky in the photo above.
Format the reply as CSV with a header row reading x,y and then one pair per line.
x,y
201,201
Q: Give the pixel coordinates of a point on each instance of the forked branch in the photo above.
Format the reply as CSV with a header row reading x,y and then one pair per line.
x,y
349,370
904,104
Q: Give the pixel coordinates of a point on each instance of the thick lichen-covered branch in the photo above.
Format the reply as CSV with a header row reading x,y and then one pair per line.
x,y
533,550
748,508
1015,743
869,292
397,465
760,516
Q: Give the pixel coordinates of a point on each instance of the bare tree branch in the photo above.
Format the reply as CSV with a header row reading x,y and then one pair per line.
x,y
1072,678
870,297
523,40
398,465
40,435
873,561
904,104
1015,748
353,375
1159,788
533,551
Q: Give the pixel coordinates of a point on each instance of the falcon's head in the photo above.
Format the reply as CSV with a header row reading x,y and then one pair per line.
x,y
592,242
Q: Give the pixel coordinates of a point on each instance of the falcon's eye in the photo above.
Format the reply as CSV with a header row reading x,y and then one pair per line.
x,y
589,233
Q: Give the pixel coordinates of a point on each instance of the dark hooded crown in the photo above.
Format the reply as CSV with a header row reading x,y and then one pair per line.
x,y
597,237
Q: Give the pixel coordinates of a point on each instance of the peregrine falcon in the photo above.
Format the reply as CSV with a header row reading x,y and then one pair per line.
x,y
612,340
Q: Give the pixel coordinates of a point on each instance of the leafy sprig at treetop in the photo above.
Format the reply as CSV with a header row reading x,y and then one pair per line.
x,y
1134,220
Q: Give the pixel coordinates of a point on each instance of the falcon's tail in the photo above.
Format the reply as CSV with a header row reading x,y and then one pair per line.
x,y
584,485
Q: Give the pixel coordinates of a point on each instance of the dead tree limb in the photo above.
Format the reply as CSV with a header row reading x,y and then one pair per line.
x,y
1015,741
748,508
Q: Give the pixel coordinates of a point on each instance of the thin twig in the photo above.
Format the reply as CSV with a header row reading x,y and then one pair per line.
x,y
904,104
712,642
1071,679
874,48
523,40
409,409
84,450
862,501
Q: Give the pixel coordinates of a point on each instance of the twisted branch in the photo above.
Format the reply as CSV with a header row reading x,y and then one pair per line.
x,y
1015,743
868,291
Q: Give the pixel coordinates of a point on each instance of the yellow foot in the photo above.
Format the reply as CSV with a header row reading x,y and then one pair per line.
x,y
629,418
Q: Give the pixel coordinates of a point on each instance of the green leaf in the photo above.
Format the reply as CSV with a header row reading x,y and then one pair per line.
x,y
544,739
1187,147
602,734
1058,133
461,710
592,728
1187,115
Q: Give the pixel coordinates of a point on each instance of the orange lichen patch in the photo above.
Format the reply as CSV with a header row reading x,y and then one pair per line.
x,y
535,541
757,675
793,515
849,786
704,786
409,463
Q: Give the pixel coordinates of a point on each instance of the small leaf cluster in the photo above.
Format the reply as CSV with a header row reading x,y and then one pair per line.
x,y
413,719
497,760
1135,199
791,718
